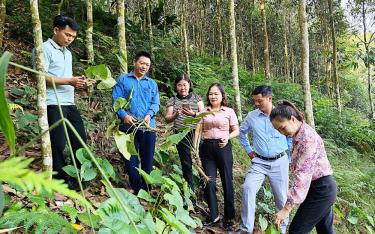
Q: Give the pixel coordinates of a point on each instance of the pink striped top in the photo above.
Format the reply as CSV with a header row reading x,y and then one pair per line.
x,y
309,163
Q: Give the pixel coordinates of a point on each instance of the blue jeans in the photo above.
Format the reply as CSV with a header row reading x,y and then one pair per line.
x,y
144,142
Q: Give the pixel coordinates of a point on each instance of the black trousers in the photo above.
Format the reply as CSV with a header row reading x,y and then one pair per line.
x,y
58,138
184,152
316,211
213,157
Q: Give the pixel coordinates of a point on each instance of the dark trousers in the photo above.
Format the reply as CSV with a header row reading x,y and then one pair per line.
x,y
213,157
144,142
316,210
184,151
58,137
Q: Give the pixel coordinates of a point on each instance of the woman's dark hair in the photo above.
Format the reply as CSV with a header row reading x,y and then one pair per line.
x,y
224,102
61,22
285,110
184,77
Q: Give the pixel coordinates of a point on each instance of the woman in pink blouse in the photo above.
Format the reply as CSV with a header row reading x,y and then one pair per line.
x,y
216,153
313,186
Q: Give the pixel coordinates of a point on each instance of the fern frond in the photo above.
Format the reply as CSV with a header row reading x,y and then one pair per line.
x,y
14,171
41,221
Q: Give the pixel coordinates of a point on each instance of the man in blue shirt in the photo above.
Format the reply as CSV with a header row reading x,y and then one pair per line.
x,y
144,104
268,157
58,64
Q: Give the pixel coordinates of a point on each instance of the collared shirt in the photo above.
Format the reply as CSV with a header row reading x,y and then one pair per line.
x,y
267,141
192,100
58,63
309,163
145,97
217,125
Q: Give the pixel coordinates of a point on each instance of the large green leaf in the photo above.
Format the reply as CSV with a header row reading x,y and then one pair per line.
x,y
6,124
120,103
173,139
183,216
272,230
125,143
102,73
70,170
88,172
146,196
173,221
263,223
83,156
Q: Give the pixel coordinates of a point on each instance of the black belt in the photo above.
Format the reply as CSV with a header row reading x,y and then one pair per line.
x,y
277,156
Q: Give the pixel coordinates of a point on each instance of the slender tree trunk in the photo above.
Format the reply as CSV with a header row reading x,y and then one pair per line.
x,y
59,7
42,104
305,63
120,6
220,32
267,70
150,34
2,20
184,34
286,52
334,57
233,56
367,62
89,31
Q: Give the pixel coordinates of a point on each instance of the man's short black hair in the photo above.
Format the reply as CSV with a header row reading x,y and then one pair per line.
x,y
265,90
62,21
141,54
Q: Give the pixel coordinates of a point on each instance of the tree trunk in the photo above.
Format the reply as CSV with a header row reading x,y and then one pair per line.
x,y
267,70
286,52
42,105
89,31
305,63
334,57
233,53
220,32
2,20
185,38
367,62
120,6
150,34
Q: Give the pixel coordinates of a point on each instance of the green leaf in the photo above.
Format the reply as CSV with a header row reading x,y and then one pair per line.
x,y
70,170
84,218
173,221
353,219
146,196
263,223
71,211
173,139
154,178
183,216
88,172
192,120
106,84
160,225
125,143
120,103
6,124
82,155
371,220
102,73
272,229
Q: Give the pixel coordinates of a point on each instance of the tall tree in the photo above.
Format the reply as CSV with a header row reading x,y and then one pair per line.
x,y
233,55
220,31
267,70
185,37
305,63
2,20
286,8
366,11
150,33
42,104
89,31
120,6
334,56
